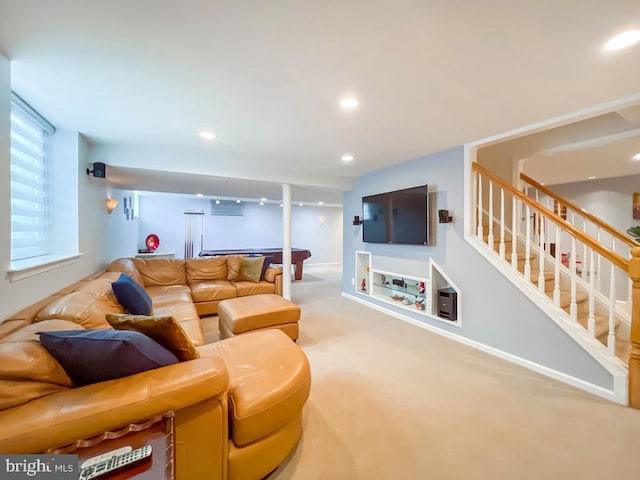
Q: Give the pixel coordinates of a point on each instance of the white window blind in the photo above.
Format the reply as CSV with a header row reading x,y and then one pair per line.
x,y
29,186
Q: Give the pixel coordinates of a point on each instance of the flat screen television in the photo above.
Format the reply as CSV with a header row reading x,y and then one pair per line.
x,y
399,217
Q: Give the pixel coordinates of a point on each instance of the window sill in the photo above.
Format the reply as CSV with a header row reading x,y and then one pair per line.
x,y
22,269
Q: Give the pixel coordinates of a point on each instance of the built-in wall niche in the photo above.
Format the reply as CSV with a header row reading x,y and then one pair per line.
x,y
445,295
434,295
363,273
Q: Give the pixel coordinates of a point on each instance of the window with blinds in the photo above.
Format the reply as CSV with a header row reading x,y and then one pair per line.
x,y
29,186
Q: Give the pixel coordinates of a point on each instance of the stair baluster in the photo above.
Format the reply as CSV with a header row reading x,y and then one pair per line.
x,y
599,267
514,235
490,236
541,226
527,250
556,269
502,248
611,339
591,322
480,213
584,251
573,308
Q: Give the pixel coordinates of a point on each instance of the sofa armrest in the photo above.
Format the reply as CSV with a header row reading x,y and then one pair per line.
x,y
273,274
77,413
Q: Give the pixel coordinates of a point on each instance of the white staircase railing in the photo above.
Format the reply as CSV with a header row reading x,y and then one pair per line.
x,y
569,283
593,226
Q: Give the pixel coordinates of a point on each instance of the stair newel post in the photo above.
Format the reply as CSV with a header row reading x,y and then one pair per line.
x,y
634,359
527,250
591,323
502,248
490,236
541,255
514,234
480,213
573,308
556,269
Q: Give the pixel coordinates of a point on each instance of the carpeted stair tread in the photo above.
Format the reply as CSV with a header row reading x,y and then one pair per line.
x,y
565,298
602,325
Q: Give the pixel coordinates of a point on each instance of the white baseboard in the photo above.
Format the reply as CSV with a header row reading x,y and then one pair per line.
x,y
327,264
602,392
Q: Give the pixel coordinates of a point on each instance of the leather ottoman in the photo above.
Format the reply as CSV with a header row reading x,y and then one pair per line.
x,y
258,312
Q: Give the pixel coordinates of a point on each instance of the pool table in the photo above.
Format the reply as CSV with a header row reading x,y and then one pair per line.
x,y
298,255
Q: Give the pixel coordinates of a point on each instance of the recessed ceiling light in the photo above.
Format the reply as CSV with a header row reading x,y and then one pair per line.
x,y
591,178
263,199
347,157
320,203
218,202
208,135
349,102
623,40
281,205
300,204
198,195
238,201
636,156
261,203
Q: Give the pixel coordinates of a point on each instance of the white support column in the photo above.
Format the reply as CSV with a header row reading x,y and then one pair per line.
x,y
286,241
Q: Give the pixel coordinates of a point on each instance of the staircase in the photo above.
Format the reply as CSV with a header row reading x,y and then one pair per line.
x,y
622,345
588,290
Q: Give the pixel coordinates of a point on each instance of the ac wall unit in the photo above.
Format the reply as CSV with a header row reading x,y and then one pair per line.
x,y
226,208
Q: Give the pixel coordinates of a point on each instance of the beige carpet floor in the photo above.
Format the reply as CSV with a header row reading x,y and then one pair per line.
x,y
393,401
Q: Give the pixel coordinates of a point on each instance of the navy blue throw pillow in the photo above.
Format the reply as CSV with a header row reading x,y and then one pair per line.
x,y
91,356
131,295
268,260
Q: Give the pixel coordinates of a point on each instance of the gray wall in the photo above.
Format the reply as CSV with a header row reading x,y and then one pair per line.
x,y
494,312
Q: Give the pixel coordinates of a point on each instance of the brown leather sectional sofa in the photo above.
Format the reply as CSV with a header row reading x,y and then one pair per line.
x,y
237,408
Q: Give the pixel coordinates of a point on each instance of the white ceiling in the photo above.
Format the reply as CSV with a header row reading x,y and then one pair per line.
x,y
601,158
141,78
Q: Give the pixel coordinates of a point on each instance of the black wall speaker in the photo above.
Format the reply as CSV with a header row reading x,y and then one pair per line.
x,y
98,170
356,220
443,216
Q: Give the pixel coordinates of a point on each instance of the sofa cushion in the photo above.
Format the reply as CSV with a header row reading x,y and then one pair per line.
x,y
169,295
27,372
187,316
164,330
206,268
79,307
269,382
131,295
91,356
101,287
250,269
29,332
233,266
161,271
251,288
126,265
210,290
